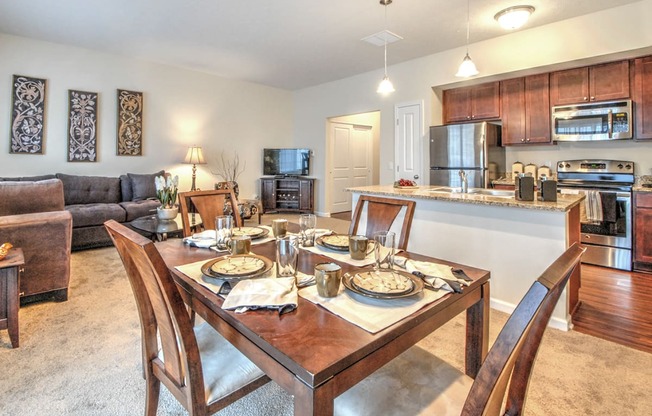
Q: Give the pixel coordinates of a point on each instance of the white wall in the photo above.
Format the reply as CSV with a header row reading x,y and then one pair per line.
x,y
181,108
622,31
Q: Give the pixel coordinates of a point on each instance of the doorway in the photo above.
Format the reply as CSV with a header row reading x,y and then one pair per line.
x,y
408,142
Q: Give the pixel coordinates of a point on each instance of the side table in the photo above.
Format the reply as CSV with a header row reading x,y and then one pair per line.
x,y
10,268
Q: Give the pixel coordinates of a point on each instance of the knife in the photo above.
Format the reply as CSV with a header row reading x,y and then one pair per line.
x,y
460,274
456,286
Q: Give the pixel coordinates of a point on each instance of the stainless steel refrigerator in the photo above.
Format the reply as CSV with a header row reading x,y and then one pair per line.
x,y
472,147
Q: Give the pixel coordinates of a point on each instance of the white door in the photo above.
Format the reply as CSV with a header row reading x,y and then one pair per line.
x,y
350,162
408,142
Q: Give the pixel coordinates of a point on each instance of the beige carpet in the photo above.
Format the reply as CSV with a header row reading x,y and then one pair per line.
x,y
82,357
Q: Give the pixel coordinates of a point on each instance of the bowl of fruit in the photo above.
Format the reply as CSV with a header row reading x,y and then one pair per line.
x,y
405,184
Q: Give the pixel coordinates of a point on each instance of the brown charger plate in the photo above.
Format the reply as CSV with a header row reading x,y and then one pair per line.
x,y
253,232
347,281
338,242
242,266
385,282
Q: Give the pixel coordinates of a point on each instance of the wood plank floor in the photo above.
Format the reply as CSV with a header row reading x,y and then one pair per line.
x,y
616,305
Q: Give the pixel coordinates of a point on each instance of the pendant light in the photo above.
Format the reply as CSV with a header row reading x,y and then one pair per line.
x,y
467,68
385,86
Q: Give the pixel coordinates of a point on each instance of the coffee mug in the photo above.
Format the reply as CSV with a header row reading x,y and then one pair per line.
x,y
328,277
239,244
358,246
280,227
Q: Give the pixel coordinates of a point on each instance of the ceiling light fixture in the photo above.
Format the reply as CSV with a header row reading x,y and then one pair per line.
x,y
385,86
514,17
467,67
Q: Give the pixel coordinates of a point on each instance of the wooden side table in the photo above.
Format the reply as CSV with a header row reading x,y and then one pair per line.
x,y
10,268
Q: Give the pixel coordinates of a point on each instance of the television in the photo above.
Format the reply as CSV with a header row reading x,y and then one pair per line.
x,y
286,162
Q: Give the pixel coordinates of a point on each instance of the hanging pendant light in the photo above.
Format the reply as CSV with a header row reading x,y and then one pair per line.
x,y
385,86
467,67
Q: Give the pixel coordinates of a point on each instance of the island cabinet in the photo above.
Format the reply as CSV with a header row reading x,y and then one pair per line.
x,y
525,110
594,83
642,234
287,194
475,103
642,96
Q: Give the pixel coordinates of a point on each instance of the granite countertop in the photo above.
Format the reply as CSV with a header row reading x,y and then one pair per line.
x,y
564,201
643,180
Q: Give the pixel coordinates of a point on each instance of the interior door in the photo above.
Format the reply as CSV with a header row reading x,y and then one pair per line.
x,y
408,142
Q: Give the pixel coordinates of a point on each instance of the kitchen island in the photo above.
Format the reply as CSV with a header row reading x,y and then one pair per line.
x,y
515,240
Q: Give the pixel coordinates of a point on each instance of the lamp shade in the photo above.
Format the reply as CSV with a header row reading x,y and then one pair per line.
x,y
385,86
467,68
194,156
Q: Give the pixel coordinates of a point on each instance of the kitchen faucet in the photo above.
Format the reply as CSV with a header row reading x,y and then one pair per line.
x,y
465,181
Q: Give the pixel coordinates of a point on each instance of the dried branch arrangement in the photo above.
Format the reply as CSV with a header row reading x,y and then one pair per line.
x,y
228,168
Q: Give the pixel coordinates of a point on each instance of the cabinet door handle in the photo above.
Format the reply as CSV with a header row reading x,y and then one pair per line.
x,y
592,98
585,98
522,140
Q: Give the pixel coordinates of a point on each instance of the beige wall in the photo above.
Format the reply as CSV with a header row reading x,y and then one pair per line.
x,y
181,108
614,33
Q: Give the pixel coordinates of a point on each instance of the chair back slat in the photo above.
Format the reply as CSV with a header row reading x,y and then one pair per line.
x,y
509,362
381,214
208,204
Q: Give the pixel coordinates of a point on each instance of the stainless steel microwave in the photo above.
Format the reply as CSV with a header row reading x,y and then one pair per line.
x,y
608,120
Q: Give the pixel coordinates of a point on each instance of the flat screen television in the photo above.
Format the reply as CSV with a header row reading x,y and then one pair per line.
x,y
286,162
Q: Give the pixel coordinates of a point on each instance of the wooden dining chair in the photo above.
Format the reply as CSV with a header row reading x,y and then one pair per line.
x,y
417,383
199,366
208,204
375,214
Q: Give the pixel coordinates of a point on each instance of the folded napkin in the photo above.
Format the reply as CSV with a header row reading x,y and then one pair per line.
x,y
266,293
205,239
436,274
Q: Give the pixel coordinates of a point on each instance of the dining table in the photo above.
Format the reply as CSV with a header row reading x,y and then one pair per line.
x,y
314,354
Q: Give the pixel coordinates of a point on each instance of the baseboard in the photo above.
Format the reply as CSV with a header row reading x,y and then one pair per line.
x,y
322,214
506,307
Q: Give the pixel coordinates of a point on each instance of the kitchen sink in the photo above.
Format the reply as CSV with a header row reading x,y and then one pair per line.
x,y
475,191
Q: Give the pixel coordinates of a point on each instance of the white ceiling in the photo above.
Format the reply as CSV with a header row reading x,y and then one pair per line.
x,y
288,44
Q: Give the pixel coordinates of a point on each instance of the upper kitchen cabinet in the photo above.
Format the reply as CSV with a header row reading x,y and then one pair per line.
x,y
642,97
479,102
525,110
595,83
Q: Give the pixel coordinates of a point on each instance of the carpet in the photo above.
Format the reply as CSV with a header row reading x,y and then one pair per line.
x,y
82,357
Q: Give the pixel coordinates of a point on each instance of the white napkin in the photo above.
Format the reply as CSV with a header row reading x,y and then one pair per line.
x,y
205,239
266,293
434,271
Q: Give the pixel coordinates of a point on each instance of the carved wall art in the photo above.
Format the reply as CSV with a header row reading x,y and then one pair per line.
x,y
130,123
82,126
28,115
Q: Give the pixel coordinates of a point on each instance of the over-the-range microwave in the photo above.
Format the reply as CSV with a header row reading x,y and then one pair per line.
x,y
607,120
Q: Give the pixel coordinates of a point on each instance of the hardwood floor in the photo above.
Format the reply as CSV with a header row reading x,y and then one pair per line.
x,y
616,305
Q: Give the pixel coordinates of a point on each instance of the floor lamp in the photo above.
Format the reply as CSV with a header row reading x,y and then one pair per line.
x,y
194,157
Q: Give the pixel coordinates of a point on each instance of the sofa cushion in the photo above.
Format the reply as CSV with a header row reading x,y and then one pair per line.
x,y
137,209
29,197
79,189
29,178
84,215
125,186
143,185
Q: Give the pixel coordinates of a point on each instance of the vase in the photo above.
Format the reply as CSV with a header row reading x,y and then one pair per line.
x,y
167,213
229,185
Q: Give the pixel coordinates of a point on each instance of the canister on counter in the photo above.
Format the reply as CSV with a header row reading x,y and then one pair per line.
x,y
517,169
531,169
548,190
524,187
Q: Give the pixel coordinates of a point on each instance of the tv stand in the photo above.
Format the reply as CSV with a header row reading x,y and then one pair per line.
x,y
287,193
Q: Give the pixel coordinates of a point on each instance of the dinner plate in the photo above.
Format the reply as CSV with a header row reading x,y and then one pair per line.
x,y
384,282
339,242
253,232
417,287
235,267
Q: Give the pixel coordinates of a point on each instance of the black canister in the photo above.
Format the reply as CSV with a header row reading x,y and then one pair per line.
x,y
548,190
524,188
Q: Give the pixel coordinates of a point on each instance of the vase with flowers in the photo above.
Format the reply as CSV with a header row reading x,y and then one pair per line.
x,y
166,191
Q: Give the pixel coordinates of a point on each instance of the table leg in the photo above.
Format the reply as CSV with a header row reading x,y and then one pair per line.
x,y
309,402
12,307
477,332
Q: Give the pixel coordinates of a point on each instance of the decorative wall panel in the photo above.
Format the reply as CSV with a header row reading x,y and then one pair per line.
x,y
28,115
130,123
82,126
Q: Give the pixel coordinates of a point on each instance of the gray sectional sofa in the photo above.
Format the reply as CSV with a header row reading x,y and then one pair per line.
x,y
92,200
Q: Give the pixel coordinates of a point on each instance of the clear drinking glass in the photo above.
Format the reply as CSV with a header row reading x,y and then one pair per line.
x,y
287,255
307,224
223,231
384,249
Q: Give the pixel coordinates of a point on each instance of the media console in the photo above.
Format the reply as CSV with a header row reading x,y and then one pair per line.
x,y
295,194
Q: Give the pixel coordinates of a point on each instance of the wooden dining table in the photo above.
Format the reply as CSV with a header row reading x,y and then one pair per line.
x,y
314,354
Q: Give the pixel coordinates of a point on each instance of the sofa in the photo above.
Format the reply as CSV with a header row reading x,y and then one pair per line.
x,y
33,218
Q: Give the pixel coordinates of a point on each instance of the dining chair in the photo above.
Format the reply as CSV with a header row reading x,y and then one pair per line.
x,y
197,365
373,214
208,204
418,383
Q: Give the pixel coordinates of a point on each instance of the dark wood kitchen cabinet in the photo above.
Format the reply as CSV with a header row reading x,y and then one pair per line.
x,y
602,82
475,103
642,97
643,231
525,110
287,194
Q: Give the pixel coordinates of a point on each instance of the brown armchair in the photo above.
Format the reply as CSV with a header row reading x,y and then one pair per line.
x,y
32,217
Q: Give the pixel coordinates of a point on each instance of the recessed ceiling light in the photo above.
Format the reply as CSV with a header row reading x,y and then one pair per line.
x,y
514,17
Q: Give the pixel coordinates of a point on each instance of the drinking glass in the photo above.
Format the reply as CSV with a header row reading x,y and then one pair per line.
x,y
223,231
307,224
384,249
287,255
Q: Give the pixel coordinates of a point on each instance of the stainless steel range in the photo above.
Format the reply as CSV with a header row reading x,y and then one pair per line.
x,y
606,230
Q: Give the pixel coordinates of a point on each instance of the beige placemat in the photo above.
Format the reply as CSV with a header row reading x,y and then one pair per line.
x,y
344,256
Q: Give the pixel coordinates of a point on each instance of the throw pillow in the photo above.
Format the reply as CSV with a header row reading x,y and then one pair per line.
x,y
143,186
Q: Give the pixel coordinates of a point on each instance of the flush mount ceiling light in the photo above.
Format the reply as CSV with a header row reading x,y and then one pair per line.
x,y
467,67
385,86
513,17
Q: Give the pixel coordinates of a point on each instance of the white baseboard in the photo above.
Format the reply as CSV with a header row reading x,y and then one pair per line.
x,y
322,214
556,323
